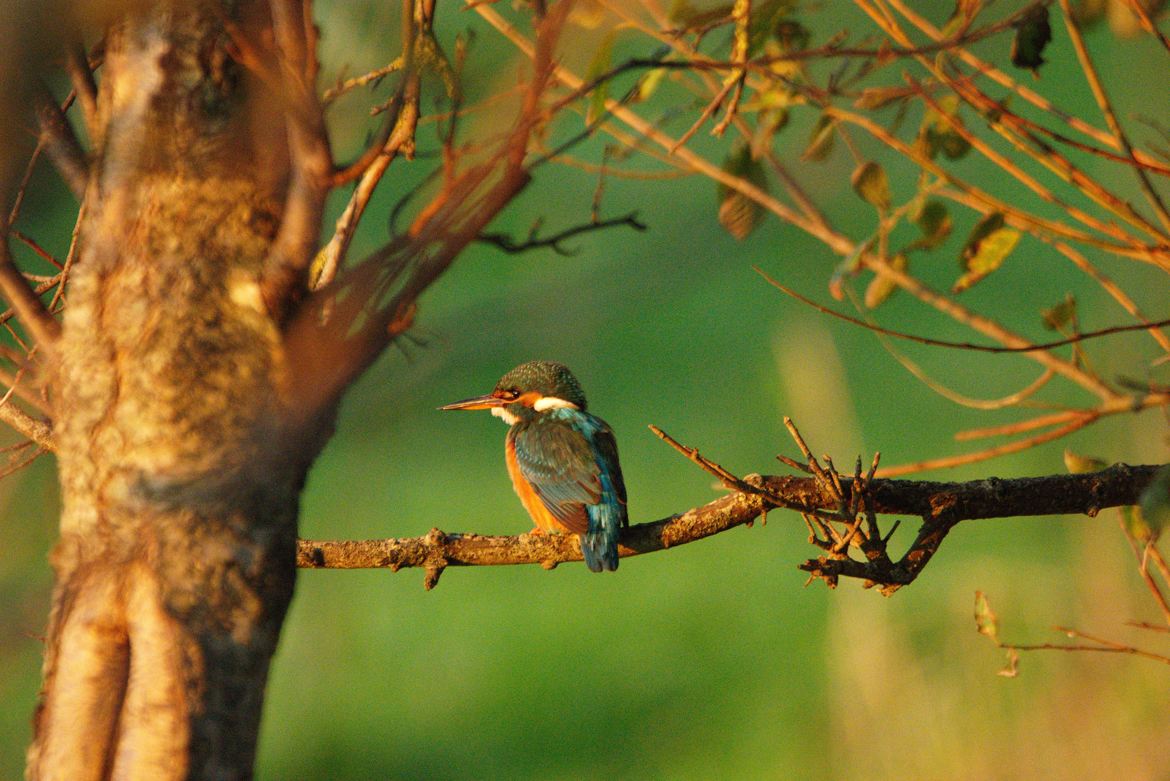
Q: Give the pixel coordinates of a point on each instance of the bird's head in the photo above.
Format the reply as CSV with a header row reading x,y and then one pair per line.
x,y
527,390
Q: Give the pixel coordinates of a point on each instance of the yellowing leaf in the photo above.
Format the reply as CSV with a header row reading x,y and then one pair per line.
x,y
880,288
985,620
1057,317
849,268
937,135
649,83
1077,464
587,13
870,182
989,244
768,124
1012,668
820,142
1155,505
598,67
787,36
738,213
877,97
1135,524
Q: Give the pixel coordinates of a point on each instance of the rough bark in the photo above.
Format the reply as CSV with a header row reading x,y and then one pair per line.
x,y
179,477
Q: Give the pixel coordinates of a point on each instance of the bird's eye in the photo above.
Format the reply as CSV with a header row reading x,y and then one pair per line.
x,y
511,394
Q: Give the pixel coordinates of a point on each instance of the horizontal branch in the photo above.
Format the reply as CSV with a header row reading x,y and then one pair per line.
x,y
938,504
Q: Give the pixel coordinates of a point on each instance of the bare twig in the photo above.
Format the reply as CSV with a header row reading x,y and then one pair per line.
x,y
1096,644
28,307
342,87
555,241
85,88
986,348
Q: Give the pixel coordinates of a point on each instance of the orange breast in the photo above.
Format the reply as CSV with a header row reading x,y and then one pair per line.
x,y
544,520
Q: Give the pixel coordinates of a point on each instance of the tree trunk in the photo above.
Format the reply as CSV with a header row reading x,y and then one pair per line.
x,y
180,475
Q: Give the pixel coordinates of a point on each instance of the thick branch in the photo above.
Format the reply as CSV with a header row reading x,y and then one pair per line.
x,y
939,504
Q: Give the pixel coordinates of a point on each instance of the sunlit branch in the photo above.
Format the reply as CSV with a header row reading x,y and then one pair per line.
x,y
939,505
1106,107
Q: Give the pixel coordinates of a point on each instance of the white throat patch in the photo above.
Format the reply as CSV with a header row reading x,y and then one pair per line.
x,y
504,415
552,402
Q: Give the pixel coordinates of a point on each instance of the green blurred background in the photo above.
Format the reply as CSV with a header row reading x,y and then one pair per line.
x,y
711,660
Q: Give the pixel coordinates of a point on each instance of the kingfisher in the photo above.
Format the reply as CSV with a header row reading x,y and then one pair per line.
x,y
563,461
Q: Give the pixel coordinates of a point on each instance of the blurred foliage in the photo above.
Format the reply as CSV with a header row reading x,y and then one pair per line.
x,y
708,660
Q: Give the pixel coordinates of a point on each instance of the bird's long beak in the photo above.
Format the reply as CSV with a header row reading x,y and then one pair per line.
x,y
478,402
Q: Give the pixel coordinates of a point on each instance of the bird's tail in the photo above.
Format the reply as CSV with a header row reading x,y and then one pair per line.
x,y
599,545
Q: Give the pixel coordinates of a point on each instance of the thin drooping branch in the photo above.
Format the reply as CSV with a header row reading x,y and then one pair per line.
x,y
940,505
972,346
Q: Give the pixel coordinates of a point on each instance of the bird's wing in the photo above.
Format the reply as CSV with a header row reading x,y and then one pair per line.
x,y
555,457
605,451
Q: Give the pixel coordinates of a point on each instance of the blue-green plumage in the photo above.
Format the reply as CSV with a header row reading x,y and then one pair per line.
x,y
569,457
563,460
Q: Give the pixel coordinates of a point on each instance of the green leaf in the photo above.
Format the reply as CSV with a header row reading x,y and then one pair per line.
x,y
1154,505
598,66
936,133
769,23
934,220
881,288
1057,317
1032,34
820,142
985,620
739,214
869,181
1077,464
989,244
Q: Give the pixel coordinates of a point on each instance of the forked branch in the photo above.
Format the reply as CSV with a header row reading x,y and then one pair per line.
x,y
939,505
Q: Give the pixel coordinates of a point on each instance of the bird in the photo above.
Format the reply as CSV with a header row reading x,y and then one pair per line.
x,y
563,461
